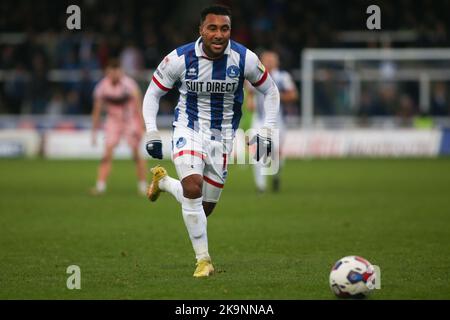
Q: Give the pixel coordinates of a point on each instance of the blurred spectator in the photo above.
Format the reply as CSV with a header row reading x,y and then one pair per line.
x,y
56,104
15,89
406,110
71,64
88,58
73,103
131,59
39,85
85,89
137,32
8,59
440,102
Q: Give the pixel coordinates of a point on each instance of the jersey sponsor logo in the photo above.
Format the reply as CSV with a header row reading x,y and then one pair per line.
x,y
233,71
211,86
159,74
192,72
181,142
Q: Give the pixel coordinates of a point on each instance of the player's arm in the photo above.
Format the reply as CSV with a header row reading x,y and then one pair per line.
x,y
150,107
250,97
263,83
289,94
137,97
162,81
263,138
271,102
96,112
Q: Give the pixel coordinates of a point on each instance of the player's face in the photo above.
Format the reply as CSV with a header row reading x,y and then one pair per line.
x,y
215,32
114,74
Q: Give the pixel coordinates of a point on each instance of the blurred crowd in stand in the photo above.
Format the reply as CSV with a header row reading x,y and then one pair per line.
x,y
34,41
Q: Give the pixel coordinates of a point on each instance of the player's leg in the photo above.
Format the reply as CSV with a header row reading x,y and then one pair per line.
x,y
195,218
188,192
165,183
184,143
188,160
278,150
103,171
140,171
112,138
134,136
260,179
214,175
208,207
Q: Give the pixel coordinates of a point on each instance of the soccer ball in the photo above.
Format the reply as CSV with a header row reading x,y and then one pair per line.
x,y
352,276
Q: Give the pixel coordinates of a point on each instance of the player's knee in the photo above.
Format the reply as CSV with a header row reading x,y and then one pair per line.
x,y
107,157
192,186
192,191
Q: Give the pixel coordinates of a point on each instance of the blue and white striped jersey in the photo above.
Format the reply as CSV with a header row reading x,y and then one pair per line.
x,y
211,91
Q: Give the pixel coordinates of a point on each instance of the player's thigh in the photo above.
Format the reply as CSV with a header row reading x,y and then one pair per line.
x,y
113,133
211,190
216,171
187,153
133,134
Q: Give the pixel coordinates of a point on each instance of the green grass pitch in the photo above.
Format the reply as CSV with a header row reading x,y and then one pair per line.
x,y
395,213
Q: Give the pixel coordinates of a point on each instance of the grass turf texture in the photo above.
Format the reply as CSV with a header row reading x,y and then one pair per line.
x,y
395,213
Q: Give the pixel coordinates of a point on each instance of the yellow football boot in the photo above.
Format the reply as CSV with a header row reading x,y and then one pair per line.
x,y
153,190
204,268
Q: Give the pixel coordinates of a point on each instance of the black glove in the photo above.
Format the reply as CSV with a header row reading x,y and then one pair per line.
x,y
153,145
263,147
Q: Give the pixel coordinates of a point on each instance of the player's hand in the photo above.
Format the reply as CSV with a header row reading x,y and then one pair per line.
x,y
153,144
263,143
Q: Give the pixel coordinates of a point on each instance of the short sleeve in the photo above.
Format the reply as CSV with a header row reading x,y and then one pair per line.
x,y
168,71
255,72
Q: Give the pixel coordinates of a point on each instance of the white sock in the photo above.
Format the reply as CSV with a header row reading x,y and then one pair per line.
x,y
260,179
172,186
142,186
195,221
101,186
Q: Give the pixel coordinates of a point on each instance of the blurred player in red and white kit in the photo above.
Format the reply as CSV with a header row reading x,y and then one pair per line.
x,y
255,103
121,98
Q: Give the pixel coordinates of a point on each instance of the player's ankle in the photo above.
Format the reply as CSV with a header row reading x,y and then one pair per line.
x,y
204,256
100,186
142,186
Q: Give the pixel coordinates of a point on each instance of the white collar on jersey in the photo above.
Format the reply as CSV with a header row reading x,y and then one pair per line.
x,y
199,50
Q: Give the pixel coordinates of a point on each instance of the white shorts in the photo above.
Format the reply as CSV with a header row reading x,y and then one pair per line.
x,y
195,153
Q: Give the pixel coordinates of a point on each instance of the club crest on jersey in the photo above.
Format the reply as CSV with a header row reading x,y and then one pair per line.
x,y
181,142
233,71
